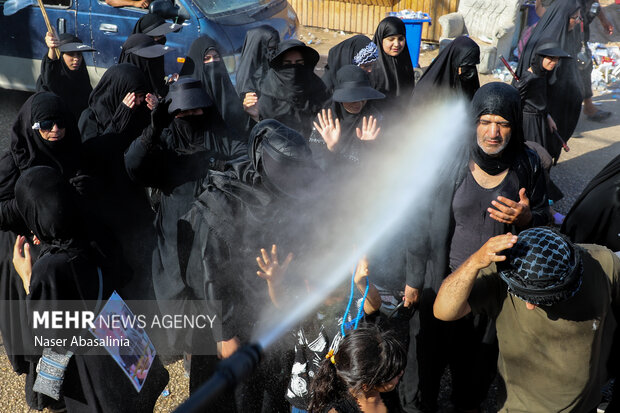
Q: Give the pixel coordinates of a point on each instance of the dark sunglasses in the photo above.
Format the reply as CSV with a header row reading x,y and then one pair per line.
x,y
49,124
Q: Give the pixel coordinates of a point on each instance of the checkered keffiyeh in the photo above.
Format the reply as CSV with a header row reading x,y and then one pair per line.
x,y
543,267
368,54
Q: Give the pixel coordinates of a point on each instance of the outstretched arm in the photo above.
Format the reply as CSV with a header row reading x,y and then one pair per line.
x,y
451,302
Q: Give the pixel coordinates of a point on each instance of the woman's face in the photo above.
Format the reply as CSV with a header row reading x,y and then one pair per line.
x,y
549,62
574,19
52,134
367,67
393,45
354,107
72,60
212,56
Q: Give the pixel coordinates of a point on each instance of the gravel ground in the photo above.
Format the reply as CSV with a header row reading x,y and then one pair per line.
x,y
592,146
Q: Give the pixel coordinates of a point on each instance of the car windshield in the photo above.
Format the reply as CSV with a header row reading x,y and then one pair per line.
x,y
223,6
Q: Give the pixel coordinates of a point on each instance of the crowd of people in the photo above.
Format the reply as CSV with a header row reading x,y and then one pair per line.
x,y
186,187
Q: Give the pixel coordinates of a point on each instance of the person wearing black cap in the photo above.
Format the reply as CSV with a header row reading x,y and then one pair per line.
x,y
452,71
66,76
538,124
185,140
261,208
495,186
258,49
350,119
393,73
143,51
555,304
358,50
155,26
291,93
204,62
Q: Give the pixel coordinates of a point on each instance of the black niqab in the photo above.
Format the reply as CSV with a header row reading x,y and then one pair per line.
x,y
73,86
564,91
340,55
503,100
216,81
28,147
106,99
258,49
152,68
392,76
292,94
443,72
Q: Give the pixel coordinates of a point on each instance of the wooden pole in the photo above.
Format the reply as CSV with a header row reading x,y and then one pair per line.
x,y
48,24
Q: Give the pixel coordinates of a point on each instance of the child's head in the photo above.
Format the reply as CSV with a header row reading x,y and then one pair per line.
x,y
547,55
366,361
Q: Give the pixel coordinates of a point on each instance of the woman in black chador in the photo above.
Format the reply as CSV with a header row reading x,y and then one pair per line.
x,y
117,104
560,23
204,62
259,48
144,52
393,73
66,76
291,92
452,71
538,124
356,50
70,268
174,155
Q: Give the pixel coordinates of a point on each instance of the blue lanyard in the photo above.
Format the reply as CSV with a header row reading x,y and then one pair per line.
x,y
355,322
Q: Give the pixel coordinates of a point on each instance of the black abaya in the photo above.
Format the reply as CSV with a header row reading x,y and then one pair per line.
x,y
340,55
73,86
258,49
594,218
442,75
216,82
106,112
564,86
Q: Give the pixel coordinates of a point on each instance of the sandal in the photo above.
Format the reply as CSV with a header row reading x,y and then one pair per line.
x,y
599,116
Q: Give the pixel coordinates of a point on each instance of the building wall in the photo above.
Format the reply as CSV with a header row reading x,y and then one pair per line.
x,y
363,16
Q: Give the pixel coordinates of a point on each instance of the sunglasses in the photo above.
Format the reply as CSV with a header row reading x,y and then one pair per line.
x,y
47,125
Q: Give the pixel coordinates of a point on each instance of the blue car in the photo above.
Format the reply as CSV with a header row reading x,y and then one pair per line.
x,y
106,28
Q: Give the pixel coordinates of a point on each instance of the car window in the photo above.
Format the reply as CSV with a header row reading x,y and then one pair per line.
x,y
222,6
57,3
132,4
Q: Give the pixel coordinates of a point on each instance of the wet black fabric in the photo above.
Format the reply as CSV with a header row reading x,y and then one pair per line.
x,y
177,164
73,86
258,49
392,76
217,83
67,270
594,218
292,94
564,85
498,99
106,113
442,75
340,55
153,69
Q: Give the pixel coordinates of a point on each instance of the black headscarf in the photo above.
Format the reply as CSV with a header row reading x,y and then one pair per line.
x,y
108,95
153,68
48,205
30,149
292,94
149,22
443,72
392,76
73,86
500,99
564,90
258,49
340,55
216,81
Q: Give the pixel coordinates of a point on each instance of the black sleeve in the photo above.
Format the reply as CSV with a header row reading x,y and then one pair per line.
x,y
10,218
50,70
143,162
537,192
88,125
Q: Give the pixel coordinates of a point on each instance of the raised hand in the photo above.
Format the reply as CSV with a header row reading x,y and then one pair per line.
x,y
272,272
151,101
328,128
369,131
510,212
489,252
130,100
250,105
22,261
